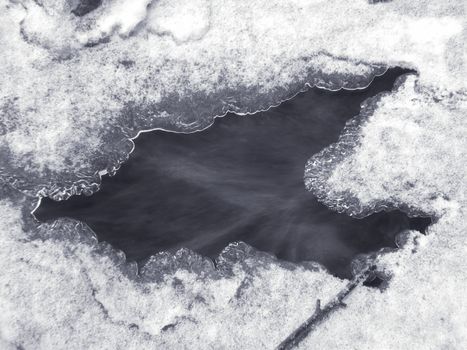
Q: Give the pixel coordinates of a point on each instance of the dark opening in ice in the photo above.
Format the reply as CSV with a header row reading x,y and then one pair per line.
x,y
86,6
241,179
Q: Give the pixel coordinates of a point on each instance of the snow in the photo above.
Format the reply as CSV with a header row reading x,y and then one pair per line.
x,y
424,305
407,149
60,289
76,89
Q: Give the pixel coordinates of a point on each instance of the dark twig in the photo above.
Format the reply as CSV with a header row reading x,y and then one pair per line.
x,y
320,314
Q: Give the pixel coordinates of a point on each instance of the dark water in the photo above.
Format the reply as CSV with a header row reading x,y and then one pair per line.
x,y
242,179
85,6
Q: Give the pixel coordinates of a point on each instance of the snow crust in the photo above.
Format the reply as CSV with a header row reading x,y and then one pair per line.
x,y
423,307
407,149
74,90
63,290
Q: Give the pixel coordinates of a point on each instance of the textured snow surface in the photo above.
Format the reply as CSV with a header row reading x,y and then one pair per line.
x,y
411,152
74,90
424,306
407,149
63,290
